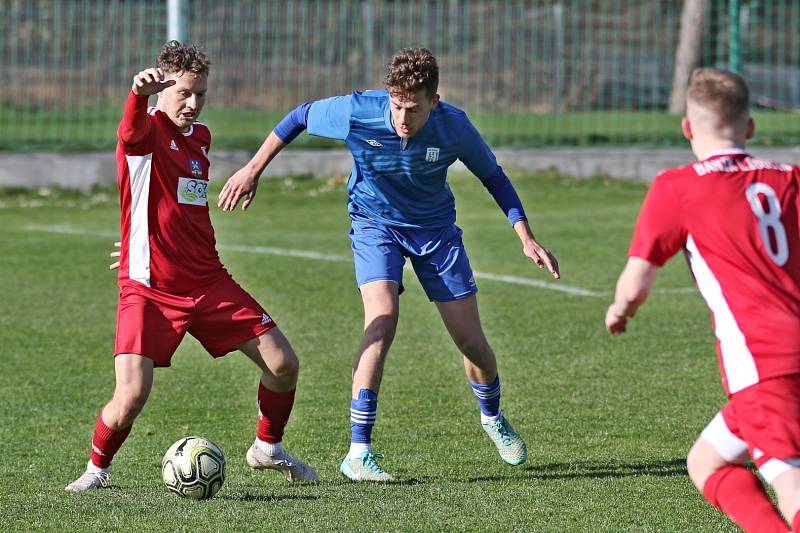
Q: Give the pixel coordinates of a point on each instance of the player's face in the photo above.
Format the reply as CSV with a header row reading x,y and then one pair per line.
x,y
411,111
184,101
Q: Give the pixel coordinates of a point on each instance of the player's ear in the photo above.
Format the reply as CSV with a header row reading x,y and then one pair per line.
x,y
686,128
434,100
751,128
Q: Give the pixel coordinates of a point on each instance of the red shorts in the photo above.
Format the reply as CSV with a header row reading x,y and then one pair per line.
x,y
220,315
762,420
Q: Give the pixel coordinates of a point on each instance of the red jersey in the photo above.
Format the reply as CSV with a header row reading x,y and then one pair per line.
x,y
737,219
162,173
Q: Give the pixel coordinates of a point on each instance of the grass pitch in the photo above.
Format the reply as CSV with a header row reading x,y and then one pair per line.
x,y
608,420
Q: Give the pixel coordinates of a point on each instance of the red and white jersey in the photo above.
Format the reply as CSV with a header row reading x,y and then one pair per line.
x,y
737,219
167,239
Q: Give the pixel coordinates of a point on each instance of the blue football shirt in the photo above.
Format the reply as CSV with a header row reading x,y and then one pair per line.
x,y
395,181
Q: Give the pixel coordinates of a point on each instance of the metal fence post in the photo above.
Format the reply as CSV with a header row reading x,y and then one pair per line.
x,y
734,37
177,20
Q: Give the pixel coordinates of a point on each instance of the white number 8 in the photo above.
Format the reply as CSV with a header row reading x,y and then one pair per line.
x,y
769,219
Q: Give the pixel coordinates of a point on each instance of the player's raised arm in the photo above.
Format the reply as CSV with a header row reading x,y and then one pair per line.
x,y
633,287
135,124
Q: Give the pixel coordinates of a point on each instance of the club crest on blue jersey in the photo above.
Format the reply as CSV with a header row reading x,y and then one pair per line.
x,y
432,155
197,168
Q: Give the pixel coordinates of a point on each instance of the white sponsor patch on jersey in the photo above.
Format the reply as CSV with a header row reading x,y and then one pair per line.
x,y
172,145
192,191
432,155
373,142
265,319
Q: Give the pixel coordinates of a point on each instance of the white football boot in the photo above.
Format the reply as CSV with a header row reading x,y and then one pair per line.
x,y
93,478
291,468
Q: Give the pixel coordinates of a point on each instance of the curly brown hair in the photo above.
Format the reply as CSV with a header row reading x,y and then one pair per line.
x,y
410,70
175,57
723,92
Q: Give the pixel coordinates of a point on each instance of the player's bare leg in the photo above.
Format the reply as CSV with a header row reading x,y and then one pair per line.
x,y
381,310
462,320
134,380
279,366
787,488
732,488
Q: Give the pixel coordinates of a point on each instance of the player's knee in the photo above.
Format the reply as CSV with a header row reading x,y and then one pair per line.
x,y
287,367
474,347
698,467
787,489
381,330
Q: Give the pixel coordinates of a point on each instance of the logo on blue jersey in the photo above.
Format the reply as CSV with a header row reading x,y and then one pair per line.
x,y
197,168
373,142
432,155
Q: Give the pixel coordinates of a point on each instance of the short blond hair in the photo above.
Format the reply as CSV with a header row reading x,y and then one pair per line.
x,y
722,92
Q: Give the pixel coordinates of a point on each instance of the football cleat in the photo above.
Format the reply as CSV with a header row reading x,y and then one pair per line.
x,y
365,467
510,445
291,468
90,480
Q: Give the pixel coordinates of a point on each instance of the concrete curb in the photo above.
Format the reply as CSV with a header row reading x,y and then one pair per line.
x,y
83,171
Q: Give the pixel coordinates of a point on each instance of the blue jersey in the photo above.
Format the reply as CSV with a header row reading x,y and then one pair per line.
x,y
395,181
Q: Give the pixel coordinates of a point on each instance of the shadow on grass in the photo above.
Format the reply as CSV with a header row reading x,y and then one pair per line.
x,y
578,470
267,498
393,483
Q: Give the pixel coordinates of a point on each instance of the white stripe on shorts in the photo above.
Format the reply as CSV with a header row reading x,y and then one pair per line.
x,y
773,468
729,446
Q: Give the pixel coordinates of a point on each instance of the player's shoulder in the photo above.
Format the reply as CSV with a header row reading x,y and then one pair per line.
x,y
201,130
676,174
369,104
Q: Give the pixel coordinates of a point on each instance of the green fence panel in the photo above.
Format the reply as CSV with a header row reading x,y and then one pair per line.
x,y
530,73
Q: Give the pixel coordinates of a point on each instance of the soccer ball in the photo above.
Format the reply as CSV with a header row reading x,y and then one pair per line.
x,y
194,468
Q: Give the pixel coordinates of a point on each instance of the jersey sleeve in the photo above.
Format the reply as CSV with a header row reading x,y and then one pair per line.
x,y
660,231
474,152
135,127
330,117
503,192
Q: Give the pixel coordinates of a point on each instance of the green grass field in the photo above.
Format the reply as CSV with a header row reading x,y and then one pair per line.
x,y
608,420
245,129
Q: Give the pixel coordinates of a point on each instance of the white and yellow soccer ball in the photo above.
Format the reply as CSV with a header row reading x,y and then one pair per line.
x,y
194,468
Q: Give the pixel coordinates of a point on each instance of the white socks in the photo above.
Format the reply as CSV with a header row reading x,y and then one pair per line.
x,y
490,419
357,448
92,469
273,450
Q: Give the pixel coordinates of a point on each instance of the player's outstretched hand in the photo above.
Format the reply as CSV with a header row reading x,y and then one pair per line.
x,y
241,186
616,322
115,264
150,81
542,257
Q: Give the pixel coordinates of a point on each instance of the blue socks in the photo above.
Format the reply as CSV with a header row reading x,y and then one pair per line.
x,y
488,397
363,411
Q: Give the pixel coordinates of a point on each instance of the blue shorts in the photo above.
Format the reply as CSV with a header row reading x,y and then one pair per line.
x,y
438,257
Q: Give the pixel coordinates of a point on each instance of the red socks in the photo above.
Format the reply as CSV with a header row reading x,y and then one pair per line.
x,y
106,442
274,409
738,493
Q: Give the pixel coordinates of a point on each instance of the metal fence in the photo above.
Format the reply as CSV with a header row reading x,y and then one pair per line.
x,y
529,73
